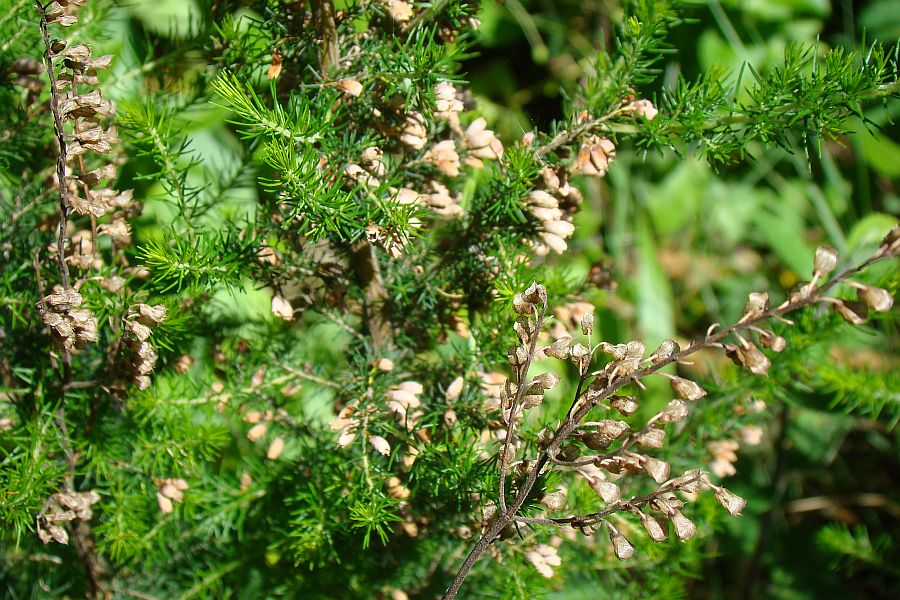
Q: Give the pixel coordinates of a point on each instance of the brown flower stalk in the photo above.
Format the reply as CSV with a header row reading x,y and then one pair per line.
x,y
62,157
596,387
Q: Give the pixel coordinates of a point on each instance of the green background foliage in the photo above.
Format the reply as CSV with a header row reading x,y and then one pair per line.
x,y
689,220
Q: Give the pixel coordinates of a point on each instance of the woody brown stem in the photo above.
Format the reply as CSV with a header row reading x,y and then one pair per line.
x,y
326,30
63,152
364,261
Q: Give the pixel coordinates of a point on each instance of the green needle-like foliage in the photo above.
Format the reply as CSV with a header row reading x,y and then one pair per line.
x,y
396,299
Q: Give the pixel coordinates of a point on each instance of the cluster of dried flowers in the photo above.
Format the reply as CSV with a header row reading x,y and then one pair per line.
x,y
169,490
71,325
139,323
86,168
401,403
64,507
605,450
447,157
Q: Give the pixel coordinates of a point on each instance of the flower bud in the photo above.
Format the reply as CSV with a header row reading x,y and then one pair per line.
x,y
454,389
256,432
380,444
350,86
275,448
282,309
165,504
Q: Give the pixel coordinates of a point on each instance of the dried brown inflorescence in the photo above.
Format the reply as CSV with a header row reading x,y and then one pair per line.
x,y
64,507
83,133
139,322
606,451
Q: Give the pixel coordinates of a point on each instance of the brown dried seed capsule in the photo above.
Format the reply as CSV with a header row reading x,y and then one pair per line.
x,y
875,298
532,400
536,294
518,356
854,313
569,452
545,437
521,305
608,492
635,350
547,380
621,546
555,500
825,261
773,342
581,356
657,469
626,405
675,411
151,315
664,351
686,389
652,438
596,441
612,428
890,245
757,304
753,358
733,503
587,323
653,528
617,351
560,348
684,527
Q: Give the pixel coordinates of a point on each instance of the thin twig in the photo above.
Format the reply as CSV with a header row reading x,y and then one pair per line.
x,y
63,151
